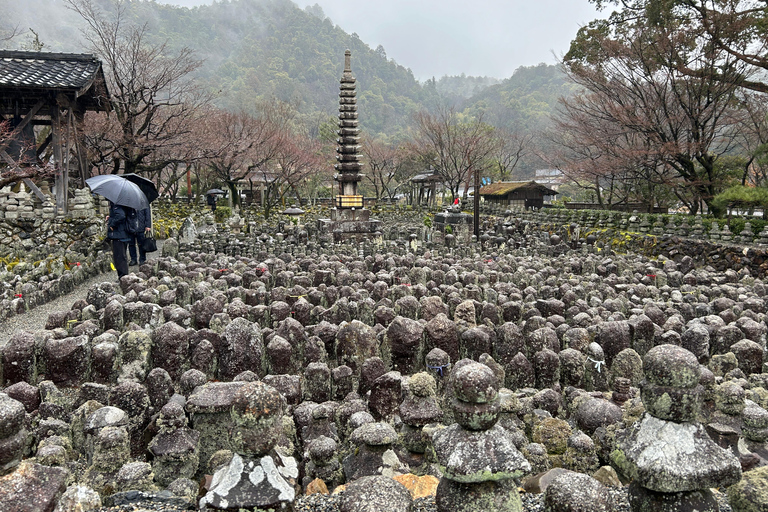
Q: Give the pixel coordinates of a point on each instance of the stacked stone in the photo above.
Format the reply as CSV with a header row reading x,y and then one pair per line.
x,y
725,234
13,435
11,205
82,205
26,207
478,457
746,234
349,165
762,236
373,453
671,460
419,408
175,447
258,475
714,231
323,463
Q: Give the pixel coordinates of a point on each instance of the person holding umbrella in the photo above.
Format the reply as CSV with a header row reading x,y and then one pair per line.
x,y
145,226
121,194
118,234
212,197
144,216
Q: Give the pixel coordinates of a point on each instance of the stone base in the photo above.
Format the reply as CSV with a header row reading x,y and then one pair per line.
x,y
499,496
453,221
644,500
346,224
253,483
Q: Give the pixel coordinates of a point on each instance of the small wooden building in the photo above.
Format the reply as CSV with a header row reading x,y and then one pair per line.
x,y
39,89
426,182
517,193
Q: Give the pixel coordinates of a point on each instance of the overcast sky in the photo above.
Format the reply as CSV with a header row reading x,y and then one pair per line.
x,y
450,37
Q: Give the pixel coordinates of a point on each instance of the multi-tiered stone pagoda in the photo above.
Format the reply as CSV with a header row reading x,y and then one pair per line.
x,y
348,218
349,165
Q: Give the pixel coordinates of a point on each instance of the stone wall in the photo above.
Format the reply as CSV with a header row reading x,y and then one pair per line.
x,y
44,255
646,234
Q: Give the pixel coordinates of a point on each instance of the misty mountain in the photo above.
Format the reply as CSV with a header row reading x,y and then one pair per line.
x,y
261,49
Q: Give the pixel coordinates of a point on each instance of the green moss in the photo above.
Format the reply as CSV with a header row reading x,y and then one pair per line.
x,y
751,493
553,433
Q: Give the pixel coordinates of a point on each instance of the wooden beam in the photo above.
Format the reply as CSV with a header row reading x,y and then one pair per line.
x,y
39,193
61,177
45,144
24,122
7,158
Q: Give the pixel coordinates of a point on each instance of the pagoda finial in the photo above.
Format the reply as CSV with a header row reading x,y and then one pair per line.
x,y
347,61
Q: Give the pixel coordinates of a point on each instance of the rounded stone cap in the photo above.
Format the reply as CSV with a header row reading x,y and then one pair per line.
x,y
581,442
475,383
595,413
755,417
422,384
256,402
374,434
106,416
172,416
322,448
438,357
371,493
672,366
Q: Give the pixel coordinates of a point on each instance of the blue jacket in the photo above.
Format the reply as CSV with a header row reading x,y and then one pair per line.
x,y
116,224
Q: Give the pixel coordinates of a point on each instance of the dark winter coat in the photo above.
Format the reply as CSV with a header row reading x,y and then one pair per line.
x,y
145,219
116,225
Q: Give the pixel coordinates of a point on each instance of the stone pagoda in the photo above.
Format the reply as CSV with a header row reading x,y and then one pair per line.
x,y
348,219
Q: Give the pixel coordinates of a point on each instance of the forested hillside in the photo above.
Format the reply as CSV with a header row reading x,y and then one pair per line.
x,y
260,49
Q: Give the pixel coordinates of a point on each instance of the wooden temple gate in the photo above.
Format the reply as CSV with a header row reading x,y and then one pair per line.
x,y
39,90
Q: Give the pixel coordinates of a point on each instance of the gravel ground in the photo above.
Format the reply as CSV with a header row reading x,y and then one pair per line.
x,y
332,503
34,319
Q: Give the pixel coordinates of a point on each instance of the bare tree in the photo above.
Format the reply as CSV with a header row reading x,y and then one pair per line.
x,y
511,148
660,120
386,163
297,158
457,147
237,145
153,98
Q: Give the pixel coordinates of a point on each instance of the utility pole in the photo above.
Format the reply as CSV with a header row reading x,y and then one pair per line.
x,y
477,204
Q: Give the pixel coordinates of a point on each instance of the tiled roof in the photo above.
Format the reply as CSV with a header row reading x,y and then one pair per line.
x,y
429,176
503,188
47,70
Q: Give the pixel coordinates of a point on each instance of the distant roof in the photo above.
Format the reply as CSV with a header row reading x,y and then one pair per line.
x,y
503,188
27,73
427,176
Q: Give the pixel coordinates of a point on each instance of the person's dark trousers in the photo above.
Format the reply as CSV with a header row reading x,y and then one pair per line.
x,y
137,240
119,258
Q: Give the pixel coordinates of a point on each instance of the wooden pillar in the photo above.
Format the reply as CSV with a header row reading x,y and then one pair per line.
x,y
60,186
82,156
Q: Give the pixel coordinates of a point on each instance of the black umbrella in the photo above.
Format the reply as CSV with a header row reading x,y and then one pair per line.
x,y
118,190
215,191
146,185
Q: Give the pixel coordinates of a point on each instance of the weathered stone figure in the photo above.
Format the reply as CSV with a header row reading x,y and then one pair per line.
x,y
476,478
669,456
